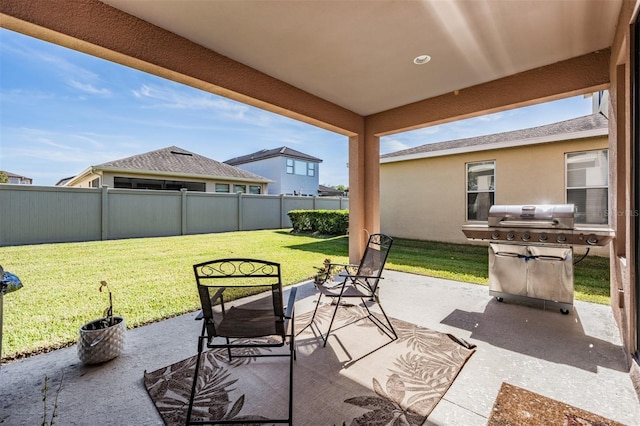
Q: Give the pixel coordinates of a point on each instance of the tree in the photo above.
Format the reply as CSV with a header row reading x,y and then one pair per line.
x,y
3,177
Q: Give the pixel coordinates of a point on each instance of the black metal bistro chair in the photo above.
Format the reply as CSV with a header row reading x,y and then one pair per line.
x,y
238,328
359,281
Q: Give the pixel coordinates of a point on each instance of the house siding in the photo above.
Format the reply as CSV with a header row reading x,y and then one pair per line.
x,y
271,168
275,168
436,186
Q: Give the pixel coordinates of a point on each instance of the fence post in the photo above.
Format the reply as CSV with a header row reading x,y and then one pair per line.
x,y
239,210
183,211
104,213
282,211
314,201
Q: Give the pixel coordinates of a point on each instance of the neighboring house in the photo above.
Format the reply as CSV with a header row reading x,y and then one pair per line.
x,y
292,172
63,181
171,168
453,183
17,179
327,191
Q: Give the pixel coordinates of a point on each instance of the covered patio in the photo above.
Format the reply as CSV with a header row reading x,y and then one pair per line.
x,y
349,67
574,359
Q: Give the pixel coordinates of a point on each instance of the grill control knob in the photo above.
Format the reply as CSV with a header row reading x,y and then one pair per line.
x,y
511,236
592,240
495,235
526,236
543,238
561,238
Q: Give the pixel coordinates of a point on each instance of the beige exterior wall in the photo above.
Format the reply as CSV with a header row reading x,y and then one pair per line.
x,y
85,181
426,199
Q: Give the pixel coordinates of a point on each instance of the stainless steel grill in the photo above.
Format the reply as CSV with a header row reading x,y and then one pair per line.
x,y
531,251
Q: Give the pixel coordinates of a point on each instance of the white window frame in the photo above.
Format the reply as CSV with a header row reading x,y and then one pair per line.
x,y
471,191
220,186
582,217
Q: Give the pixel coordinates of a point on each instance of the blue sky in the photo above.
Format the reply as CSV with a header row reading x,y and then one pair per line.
x,y
62,111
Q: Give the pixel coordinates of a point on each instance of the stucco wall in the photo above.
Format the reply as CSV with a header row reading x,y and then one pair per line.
x,y
432,191
624,282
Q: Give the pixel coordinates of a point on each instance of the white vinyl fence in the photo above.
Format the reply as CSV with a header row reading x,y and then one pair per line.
x,y
42,214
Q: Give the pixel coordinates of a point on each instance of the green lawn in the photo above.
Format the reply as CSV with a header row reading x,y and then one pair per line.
x,y
152,278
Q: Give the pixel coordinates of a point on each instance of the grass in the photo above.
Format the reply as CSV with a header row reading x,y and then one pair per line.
x,y
152,278
469,263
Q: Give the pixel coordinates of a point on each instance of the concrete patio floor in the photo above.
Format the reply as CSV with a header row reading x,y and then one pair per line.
x,y
575,358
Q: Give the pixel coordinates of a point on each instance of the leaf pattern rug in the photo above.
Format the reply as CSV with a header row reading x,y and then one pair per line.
x,y
360,378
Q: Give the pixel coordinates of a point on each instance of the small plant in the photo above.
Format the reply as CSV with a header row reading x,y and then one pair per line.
x,y
46,421
325,273
102,339
108,319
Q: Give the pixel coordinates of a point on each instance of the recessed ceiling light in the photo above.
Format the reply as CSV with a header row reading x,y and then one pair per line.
x,y
421,60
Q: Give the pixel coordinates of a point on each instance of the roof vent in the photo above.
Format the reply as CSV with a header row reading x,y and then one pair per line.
x,y
188,154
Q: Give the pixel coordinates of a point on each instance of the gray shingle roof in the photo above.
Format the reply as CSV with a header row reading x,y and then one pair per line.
x,y
180,161
580,124
283,151
9,174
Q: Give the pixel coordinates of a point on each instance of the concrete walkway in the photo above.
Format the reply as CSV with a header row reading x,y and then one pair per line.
x,y
575,358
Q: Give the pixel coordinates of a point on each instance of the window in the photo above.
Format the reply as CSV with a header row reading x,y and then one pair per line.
x,y
480,189
587,176
95,183
239,188
137,183
302,168
222,187
255,189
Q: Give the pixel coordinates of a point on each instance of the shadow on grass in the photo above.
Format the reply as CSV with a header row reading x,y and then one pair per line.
x,y
324,245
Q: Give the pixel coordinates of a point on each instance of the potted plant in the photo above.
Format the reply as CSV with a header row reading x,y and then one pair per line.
x,y
326,272
103,339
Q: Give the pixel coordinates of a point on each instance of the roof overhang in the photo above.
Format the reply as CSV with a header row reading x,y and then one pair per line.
x,y
498,145
335,64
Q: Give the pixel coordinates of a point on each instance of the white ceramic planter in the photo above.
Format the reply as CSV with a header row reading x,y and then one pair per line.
x,y
103,344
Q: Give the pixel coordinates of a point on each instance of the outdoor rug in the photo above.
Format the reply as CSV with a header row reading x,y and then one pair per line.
x,y
360,378
517,406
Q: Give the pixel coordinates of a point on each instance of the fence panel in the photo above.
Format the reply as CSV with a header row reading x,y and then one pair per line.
x,y
33,215
211,213
42,214
329,203
260,212
144,213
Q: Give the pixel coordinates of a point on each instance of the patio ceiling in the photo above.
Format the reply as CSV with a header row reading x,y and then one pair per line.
x,y
359,54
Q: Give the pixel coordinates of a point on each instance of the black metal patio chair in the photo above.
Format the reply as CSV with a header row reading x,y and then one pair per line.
x,y
357,281
238,328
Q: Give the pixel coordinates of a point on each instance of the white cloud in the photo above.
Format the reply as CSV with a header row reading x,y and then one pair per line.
x,y
171,98
389,144
52,59
88,88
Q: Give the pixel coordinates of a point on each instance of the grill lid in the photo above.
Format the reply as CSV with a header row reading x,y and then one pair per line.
x,y
550,216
